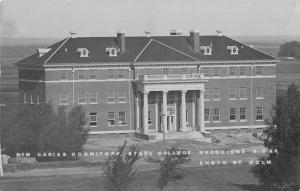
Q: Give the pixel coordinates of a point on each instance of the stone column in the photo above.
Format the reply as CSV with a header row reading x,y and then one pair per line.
x,y
176,109
194,109
156,111
183,111
137,112
145,118
201,111
165,110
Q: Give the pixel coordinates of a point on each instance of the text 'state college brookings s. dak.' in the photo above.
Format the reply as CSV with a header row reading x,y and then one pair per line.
x,y
152,84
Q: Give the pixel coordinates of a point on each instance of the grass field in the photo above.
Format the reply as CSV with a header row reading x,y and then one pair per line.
x,y
195,179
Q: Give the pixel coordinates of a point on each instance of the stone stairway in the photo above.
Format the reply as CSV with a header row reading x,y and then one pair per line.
x,y
179,135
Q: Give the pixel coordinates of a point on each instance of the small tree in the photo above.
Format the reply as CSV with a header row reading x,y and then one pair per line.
x,y
169,166
120,168
283,135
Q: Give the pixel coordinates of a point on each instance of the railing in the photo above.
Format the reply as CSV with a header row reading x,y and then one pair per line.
x,y
170,77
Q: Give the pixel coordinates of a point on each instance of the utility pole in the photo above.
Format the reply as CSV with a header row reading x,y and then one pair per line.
x,y
251,98
1,166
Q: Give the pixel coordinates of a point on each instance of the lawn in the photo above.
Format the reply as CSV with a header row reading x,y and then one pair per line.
x,y
205,178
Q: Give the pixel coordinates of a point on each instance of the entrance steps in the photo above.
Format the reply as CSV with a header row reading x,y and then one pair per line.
x,y
178,135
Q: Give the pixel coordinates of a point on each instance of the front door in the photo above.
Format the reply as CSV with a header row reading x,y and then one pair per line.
x,y
171,118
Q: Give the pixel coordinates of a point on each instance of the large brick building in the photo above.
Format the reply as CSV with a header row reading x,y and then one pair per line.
x,y
149,84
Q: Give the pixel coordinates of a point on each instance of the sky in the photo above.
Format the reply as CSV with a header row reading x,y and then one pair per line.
x,y
56,18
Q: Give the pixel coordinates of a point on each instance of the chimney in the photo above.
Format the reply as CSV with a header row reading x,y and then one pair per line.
x,y
194,40
174,32
121,41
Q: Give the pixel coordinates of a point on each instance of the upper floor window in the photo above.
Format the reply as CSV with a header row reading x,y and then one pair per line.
x,y
259,92
242,114
110,97
216,93
92,75
82,98
216,114
233,50
92,97
25,98
184,70
207,50
259,113
111,118
83,52
243,93
63,74
110,74
258,70
166,70
232,93
232,71
81,75
206,71
122,74
122,96
206,114
232,114
63,98
242,71
122,118
207,94
216,71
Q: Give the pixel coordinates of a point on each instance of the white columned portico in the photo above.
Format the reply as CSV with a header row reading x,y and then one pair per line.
x,y
183,111
164,114
145,118
137,111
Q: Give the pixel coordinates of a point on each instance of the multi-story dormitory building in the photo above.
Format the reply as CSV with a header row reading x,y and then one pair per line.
x,y
149,84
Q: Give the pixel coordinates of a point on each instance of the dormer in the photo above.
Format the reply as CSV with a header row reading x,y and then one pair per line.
x,y
207,50
83,52
42,51
233,50
112,51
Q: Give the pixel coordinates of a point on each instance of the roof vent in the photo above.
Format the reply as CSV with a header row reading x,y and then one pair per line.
x,y
83,52
233,50
175,32
42,51
147,33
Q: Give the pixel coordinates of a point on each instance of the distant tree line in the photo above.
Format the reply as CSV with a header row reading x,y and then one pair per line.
x,y
39,128
290,49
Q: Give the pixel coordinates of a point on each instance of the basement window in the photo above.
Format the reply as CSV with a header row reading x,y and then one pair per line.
x,y
83,52
233,50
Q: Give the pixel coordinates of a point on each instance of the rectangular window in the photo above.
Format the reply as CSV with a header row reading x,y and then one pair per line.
x,y
207,94
111,118
82,98
63,75
93,97
147,71
243,114
110,97
259,92
93,75
63,98
122,118
122,96
121,74
206,71
216,114
93,119
81,75
232,71
31,99
259,113
206,114
184,70
216,93
242,70
25,99
216,71
166,70
232,114
110,74
37,99
149,118
232,93
258,70
243,93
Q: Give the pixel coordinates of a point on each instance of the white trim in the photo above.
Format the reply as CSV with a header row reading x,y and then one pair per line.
x,y
239,77
236,127
56,50
110,132
67,81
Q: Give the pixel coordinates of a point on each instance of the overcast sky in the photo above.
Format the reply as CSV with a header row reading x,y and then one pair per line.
x,y
56,18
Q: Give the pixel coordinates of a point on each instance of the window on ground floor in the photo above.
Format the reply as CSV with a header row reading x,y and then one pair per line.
x,y
111,118
243,114
216,93
232,114
259,92
122,96
243,93
259,113
232,93
81,97
206,114
149,118
63,98
93,119
216,114
122,118
110,97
